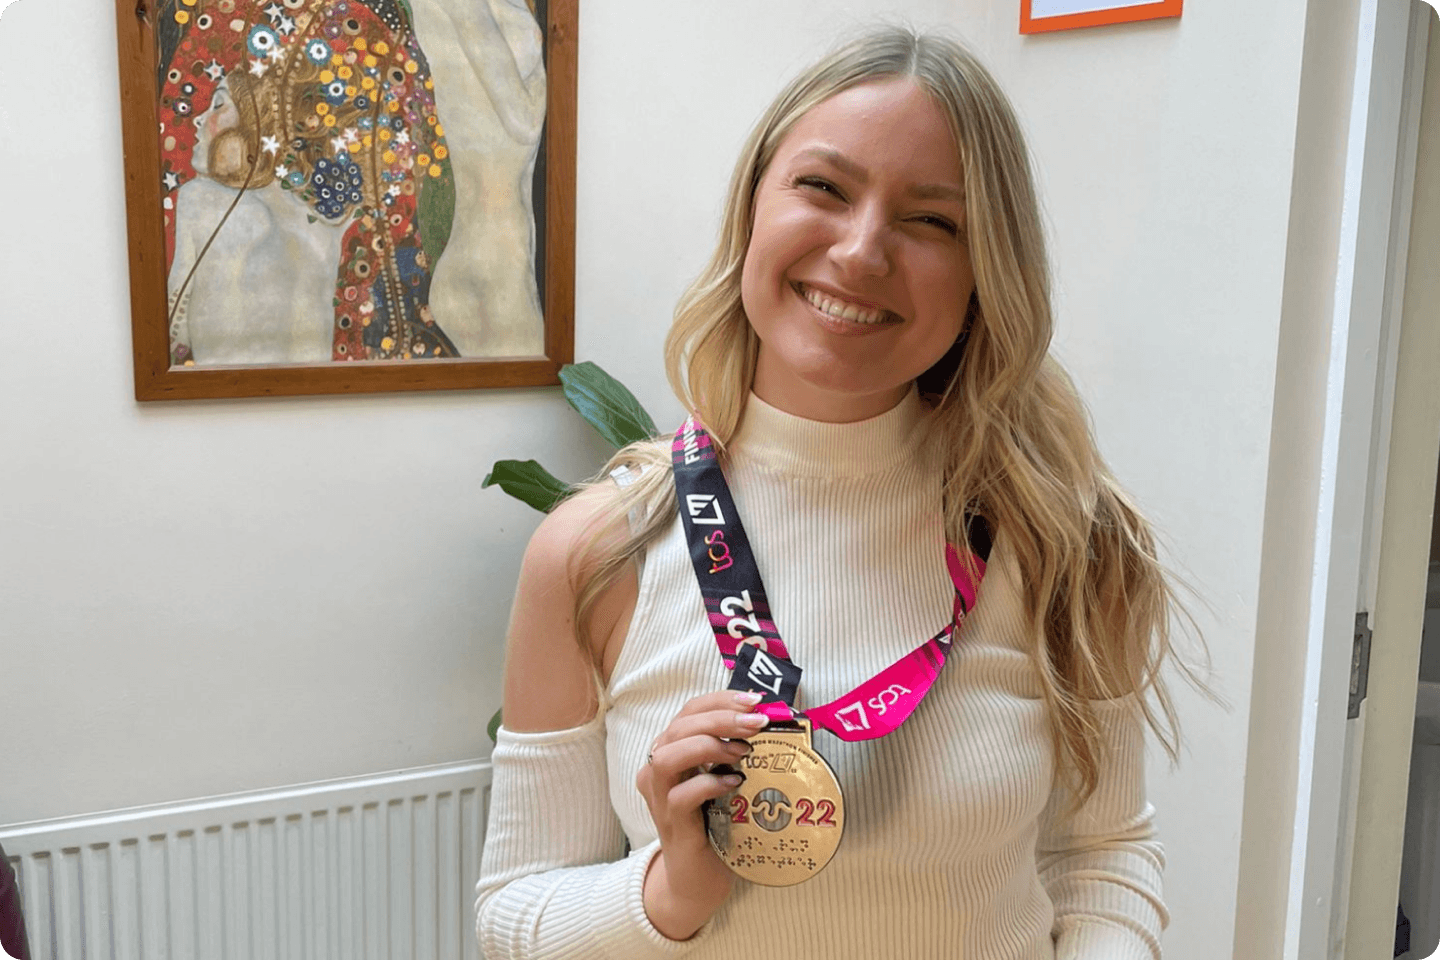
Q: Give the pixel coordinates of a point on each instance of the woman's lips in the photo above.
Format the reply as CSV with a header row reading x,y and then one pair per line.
x,y
841,310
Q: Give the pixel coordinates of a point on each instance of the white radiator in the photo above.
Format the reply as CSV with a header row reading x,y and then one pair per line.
x,y
371,868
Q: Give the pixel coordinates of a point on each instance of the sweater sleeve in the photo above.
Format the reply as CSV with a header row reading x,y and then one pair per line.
x,y
554,877
1102,865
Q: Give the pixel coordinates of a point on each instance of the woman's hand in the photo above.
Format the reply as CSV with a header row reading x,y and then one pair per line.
x,y
687,882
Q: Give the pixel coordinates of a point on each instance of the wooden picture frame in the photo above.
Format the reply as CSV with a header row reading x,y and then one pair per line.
x,y
1091,13
160,370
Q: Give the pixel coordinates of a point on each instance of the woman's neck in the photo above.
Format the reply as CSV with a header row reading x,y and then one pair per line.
x,y
787,443
785,391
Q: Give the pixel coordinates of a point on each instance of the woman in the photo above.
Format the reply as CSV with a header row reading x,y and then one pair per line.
x,y
867,350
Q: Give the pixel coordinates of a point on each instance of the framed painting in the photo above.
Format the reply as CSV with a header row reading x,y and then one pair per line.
x,y
348,196
1042,16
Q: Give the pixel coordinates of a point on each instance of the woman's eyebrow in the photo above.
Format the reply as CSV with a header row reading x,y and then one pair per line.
x,y
937,191
838,160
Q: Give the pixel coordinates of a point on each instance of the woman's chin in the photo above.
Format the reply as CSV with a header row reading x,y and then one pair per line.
x,y
833,399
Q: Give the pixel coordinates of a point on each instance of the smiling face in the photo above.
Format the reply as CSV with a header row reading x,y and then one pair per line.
x,y
857,277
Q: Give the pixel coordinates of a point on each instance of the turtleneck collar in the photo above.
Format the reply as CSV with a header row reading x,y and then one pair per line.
x,y
774,440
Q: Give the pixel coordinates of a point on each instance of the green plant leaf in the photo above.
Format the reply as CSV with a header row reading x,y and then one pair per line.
x,y
493,727
528,481
606,404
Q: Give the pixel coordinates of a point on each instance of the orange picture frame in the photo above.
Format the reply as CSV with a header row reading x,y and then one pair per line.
x,y
1102,14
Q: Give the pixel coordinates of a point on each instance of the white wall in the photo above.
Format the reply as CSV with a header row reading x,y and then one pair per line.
x,y
216,596
207,597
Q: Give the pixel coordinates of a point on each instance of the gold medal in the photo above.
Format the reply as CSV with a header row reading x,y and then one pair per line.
x,y
784,823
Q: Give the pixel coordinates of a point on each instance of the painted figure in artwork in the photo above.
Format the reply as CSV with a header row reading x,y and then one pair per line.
x,y
312,188
490,55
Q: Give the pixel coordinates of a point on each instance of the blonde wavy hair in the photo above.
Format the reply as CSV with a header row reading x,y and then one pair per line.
x,y
1018,443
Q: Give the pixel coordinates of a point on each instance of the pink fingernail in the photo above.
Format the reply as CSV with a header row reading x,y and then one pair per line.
x,y
749,697
732,780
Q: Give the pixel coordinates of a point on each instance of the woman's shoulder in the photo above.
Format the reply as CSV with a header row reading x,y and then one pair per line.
x,y
582,515
552,660
595,519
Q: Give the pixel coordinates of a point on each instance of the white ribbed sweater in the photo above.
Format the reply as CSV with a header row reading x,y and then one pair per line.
x,y
955,842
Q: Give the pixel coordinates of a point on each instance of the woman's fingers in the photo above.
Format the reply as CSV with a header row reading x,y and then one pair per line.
x,y
725,724
709,730
719,714
690,794
673,761
732,700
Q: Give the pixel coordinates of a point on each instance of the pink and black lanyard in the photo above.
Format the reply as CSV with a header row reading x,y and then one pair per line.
x,y
744,630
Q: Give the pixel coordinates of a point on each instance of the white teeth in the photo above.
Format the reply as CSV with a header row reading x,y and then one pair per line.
x,y
843,309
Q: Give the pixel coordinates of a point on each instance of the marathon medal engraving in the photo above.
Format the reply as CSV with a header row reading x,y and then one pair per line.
x,y
783,824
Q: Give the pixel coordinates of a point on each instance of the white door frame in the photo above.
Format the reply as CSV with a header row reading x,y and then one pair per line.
x,y
1374,241
1401,547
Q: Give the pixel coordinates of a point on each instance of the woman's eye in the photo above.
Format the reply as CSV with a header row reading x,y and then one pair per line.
x,y
939,222
818,183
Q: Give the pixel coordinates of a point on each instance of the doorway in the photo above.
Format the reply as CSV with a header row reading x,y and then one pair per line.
x,y
1417,933
1386,775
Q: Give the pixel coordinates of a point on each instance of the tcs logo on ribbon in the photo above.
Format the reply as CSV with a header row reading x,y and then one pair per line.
x,y
854,717
719,552
704,508
766,673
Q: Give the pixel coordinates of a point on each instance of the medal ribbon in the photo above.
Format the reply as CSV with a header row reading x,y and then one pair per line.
x,y
739,612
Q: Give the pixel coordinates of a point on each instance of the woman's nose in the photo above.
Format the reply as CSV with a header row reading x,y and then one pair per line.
x,y
862,249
